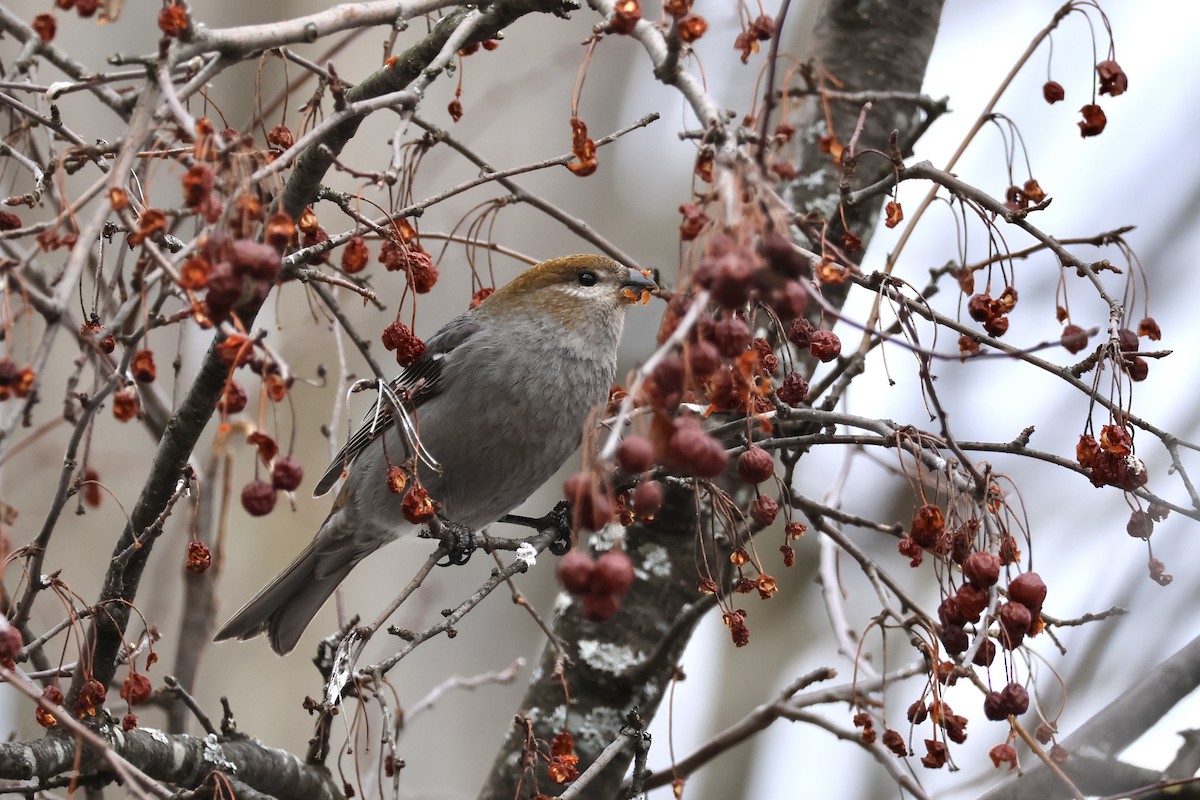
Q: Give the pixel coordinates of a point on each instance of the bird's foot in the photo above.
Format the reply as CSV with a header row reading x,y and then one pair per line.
x,y
458,539
559,519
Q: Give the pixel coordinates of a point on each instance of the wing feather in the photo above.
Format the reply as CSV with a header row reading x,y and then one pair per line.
x,y
422,381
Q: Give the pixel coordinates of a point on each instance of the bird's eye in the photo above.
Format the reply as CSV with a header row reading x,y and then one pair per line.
x,y
587,278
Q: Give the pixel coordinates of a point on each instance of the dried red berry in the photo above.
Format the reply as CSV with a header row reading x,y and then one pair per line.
x,y
982,569
755,465
1093,121
259,261
136,689
648,498
1003,754
613,573
417,505
233,399
763,511
950,614
575,571
51,694
972,600
355,255
800,333
825,345
1113,80
1029,590
199,557
986,653
600,607
1053,92
142,366
1149,328
635,454
703,358
1074,339
954,639
794,390
731,335
691,451
1015,621
1014,699
287,474
993,707
927,525
258,498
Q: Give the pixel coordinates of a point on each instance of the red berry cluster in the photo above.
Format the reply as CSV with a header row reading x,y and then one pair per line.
x,y
993,312
259,496
1110,461
600,582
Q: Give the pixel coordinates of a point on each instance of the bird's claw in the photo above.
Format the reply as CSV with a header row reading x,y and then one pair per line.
x,y
460,541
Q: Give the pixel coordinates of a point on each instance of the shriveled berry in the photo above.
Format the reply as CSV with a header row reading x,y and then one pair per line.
x,y
258,498
233,399
693,452
199,557
1015,621
794,390
955,639
575,571
635,454
986,653
666,382
731,335
142,366
972,600
1074,339
1140,525
287,474
1128,340
950,614
825,346
417,505
1029,590
1138,368
800,333
703,358
979,307
996,326
1052,92
755,465
600,607
648,498
613,573
928,525
982,569
1014,699
763,511
993,707
259,261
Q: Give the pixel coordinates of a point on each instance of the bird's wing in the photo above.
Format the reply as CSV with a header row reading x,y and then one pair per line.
x,y
422,381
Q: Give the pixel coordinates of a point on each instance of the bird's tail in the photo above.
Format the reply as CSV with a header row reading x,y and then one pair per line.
x,y
288,603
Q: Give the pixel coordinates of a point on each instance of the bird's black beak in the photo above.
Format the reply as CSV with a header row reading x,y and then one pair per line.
x,y
639,281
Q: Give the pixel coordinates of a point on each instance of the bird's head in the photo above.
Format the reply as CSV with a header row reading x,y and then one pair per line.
x,y
580,293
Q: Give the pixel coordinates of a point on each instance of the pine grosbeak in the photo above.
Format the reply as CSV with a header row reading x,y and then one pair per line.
x,y
500,399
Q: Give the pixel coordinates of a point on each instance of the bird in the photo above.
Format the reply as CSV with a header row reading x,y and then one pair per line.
x,y
499,401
